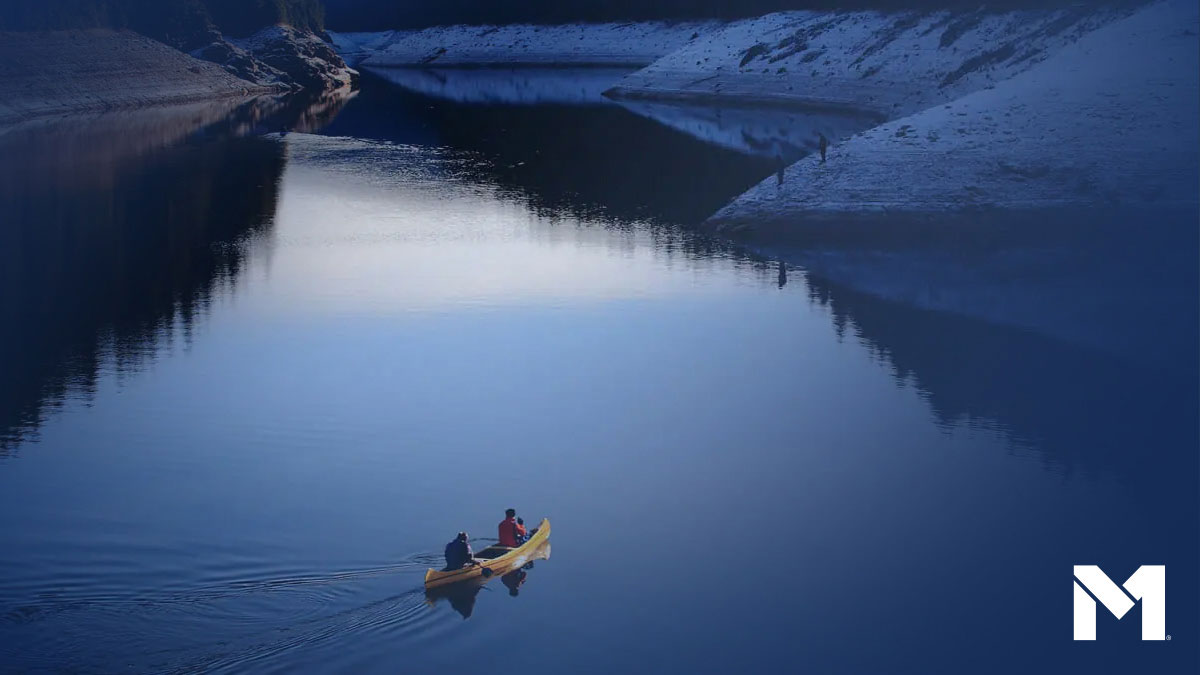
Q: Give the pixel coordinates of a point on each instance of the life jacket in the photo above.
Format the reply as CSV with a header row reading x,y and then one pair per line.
x,y
511,532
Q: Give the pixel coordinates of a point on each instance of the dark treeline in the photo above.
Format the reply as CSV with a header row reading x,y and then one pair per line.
x,y
117,234
242,17
350,15
173,21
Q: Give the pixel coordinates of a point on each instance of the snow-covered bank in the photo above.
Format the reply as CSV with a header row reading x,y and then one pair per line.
x,y
515,86
1110,119
891,64
55,72
609,44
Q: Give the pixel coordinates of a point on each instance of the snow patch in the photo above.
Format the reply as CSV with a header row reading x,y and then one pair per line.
x,y
607,44
515,86
354,47
889,63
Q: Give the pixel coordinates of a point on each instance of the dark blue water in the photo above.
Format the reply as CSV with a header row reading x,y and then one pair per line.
x,y
252,384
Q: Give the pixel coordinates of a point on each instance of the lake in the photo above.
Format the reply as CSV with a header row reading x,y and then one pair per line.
x,y
261,364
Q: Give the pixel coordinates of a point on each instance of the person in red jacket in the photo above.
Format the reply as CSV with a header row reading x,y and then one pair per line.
x,y
512,529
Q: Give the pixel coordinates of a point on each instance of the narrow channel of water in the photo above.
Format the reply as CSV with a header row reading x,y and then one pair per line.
x,y
253,384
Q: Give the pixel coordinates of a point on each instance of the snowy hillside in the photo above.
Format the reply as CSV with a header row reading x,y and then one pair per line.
x,y
887,63
1108,120
354,47
516,86
609,44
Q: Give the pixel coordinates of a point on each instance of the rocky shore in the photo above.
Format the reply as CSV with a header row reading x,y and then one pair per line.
x,y
48,73
300,59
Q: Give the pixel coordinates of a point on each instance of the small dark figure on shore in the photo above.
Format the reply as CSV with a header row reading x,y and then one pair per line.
x,y
780,165
782,275
823,144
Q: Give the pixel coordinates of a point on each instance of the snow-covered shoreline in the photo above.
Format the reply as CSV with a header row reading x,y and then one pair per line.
x,y
566,45
887,63
55,72
952,110
1108,120
513,86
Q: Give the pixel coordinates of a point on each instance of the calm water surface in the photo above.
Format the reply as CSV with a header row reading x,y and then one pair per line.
x,y
252,384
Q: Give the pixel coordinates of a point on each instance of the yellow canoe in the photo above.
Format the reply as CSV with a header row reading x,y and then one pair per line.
x,y
496,560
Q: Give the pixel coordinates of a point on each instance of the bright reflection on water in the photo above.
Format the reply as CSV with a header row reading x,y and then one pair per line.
x,y
245,455
384,229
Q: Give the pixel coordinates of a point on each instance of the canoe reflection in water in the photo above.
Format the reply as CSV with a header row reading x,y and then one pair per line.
x,y
514,579
462,594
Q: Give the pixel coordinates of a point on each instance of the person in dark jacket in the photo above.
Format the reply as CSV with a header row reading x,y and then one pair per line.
x,y
823,145
459,553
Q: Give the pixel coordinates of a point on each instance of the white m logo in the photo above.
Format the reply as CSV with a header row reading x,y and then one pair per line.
x,y
1148,584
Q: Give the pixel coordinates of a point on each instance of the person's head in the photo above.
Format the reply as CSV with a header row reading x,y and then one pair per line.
x,y
510,513
462,536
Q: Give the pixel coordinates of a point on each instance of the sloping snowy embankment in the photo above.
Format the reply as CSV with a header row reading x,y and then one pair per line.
x,y
49,73
1109,120
608,44
890,64
512,86
354,47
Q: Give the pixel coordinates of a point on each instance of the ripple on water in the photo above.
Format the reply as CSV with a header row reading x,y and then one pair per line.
x,y
228,624
401,614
